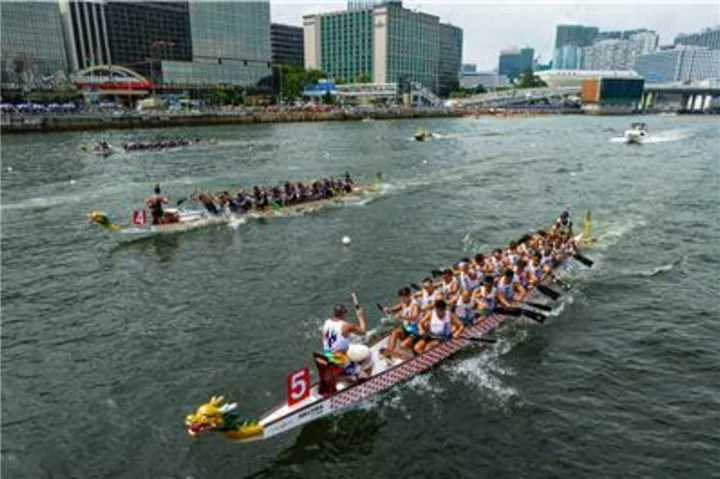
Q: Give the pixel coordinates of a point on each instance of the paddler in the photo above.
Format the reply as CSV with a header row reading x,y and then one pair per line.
x,y
155,203
207,201
448,284
563,225
439,324
408,312
466,307
336,340
509,288
428,295
486,294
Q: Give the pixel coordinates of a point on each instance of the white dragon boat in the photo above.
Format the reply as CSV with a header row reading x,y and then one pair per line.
x,y
306,402
185,220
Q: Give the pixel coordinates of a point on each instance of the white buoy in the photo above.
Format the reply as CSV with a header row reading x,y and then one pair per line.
x,y
346,240
9,168
424,162
72,182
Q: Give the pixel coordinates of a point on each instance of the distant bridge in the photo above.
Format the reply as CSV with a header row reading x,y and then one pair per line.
x,y
700,96
515,97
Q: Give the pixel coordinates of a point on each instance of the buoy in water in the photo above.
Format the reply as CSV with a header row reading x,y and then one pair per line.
x,y
346,240
9,168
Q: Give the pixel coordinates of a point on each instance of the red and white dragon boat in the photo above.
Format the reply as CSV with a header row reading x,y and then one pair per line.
x,y
305,402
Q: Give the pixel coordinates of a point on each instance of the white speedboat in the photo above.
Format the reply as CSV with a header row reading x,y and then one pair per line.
x,y
636,134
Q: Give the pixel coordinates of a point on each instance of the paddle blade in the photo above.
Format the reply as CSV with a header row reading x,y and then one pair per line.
x,y
415,286
540,318
507,311
548,292
584,260
542,307
380,307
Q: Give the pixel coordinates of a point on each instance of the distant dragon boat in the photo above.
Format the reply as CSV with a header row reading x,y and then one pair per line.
x,y
306,402
182,220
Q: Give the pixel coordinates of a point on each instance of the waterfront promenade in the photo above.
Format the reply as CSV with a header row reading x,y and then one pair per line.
x,y
123,119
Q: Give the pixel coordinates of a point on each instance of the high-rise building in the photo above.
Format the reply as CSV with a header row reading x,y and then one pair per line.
x,y
386,42
286,43
619,53
450,61
679,65
86,33
513,61
32,49
569,41
709,38
229,44
142,34
469,68
362,4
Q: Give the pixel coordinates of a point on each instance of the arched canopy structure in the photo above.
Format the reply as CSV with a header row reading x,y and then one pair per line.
x,y
112,80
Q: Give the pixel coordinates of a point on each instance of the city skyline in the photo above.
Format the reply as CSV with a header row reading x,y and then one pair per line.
x,y
533,22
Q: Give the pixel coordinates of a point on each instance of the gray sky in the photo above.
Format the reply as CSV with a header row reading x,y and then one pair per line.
x,y
490,25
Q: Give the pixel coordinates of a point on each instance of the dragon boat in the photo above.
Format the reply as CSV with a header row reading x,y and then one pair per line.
x,y
306,402
182,220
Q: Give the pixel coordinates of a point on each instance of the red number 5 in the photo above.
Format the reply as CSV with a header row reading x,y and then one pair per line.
x,y
298,386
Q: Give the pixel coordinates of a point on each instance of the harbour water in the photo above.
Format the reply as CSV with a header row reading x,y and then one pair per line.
x,y
106,347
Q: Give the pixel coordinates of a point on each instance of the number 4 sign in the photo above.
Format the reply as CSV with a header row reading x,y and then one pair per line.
x,y
298,386
139,217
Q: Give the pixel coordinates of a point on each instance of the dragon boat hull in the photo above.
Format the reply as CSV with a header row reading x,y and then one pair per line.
x,y
195,219
385,374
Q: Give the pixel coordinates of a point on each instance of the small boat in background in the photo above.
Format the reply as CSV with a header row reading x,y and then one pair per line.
x,y
636,134
422,134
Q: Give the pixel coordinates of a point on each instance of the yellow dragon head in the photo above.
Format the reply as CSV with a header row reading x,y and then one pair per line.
x,y
218,417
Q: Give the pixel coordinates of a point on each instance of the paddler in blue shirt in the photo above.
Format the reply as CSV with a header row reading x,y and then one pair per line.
x,y
155,202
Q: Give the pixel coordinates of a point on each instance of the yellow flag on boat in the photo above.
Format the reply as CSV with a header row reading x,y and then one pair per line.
x,y
587,228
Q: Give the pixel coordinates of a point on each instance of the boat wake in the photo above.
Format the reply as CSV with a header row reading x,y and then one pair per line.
x,y
485,372
659,137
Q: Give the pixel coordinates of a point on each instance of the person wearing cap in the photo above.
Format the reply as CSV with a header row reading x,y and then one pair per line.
x,y
155,202
437,325
408,312
337,332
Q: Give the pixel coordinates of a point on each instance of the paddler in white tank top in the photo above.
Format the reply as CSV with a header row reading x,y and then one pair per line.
x,y
428,295
448,284
336,338
407,311
440,325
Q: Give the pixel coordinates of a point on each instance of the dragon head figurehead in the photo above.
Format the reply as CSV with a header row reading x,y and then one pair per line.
x,y
218,417
99,218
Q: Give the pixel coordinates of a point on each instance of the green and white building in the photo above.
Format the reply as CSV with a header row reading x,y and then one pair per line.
x,y
383,42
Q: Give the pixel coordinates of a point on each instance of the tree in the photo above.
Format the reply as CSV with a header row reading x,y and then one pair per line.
x,y
340,81
362,78
528,79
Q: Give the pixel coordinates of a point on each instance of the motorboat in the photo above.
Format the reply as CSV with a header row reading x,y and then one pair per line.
x,y
636,134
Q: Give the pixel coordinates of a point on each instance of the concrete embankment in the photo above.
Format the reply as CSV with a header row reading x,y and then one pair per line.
x,y
59,123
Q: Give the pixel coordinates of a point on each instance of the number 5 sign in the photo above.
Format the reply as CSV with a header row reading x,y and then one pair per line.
x,y
298,386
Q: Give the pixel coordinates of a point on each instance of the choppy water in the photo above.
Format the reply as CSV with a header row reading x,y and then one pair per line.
x,y
105,348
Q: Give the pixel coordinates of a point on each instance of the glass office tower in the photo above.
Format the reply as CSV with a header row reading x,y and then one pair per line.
x,y
32,49
230,45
